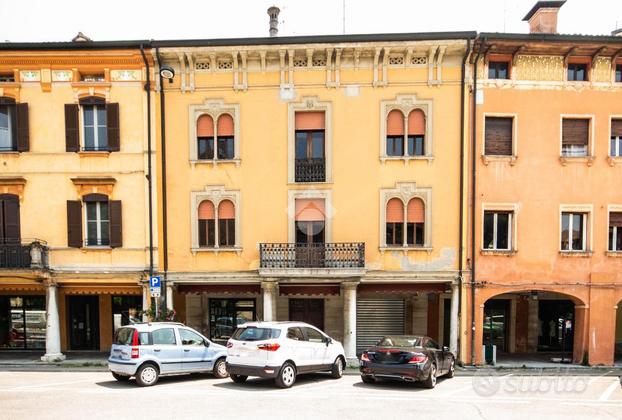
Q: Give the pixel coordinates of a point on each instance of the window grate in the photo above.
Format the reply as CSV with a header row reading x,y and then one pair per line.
x,y
419,60
202,65
300,62
396,60
319,62
225,65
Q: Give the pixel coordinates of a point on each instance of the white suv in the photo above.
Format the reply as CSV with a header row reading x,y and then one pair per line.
x,y
281,350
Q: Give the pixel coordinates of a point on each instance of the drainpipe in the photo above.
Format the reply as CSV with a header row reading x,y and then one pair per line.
x,y
164,202
460,206
147,88
473,196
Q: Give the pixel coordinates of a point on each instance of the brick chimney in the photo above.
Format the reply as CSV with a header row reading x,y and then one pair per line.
x,y
542,17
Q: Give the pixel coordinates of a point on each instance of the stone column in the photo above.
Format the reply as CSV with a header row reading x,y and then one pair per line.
x,y
349,320
52,332
146,300
169,295
268,289
453,321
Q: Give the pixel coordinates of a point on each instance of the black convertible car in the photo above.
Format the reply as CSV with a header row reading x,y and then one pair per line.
x,y
407,358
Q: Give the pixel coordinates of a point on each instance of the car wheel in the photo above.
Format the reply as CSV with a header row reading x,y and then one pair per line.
x,y
368,379
287,376
336,371
120,378
238,379
430,382
147,375
220,368
452,369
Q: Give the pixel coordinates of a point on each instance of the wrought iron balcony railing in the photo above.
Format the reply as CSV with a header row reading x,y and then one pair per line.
x,y
29,254
311,170
328,255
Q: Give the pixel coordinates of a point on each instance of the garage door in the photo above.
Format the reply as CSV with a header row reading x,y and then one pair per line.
x,y
376,318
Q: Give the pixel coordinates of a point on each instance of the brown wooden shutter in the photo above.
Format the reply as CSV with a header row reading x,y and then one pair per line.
x,y
116,236
498,138
616,128
112,125
74,224
575,132
10,208
615,218
72,127
23,132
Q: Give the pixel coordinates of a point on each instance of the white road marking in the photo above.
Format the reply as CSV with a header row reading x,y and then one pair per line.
x,y
44,385
607,392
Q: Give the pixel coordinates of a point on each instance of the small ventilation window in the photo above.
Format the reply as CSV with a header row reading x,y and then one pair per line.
x,y
419,60
300,62
7,77
225,65
396,60
202,65
93,77
319,62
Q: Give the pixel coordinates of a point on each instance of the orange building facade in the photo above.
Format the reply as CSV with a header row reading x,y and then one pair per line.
x,y
547,156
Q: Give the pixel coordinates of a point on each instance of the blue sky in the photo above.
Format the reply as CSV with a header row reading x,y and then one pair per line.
x,y
60,20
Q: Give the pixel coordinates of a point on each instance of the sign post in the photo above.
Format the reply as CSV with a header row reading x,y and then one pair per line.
x,y
155,288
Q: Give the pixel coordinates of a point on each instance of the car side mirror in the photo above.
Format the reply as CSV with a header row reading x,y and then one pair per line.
x,y
328,341
445,348
206,343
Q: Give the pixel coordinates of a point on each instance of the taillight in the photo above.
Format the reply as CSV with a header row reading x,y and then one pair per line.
x,y
269,347
229,344
418,358
364,357
135,338
135,353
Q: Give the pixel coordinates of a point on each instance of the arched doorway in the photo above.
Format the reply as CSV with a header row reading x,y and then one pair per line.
x,y
532,327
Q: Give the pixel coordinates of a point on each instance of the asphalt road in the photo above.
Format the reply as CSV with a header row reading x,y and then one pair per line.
x,y
486,395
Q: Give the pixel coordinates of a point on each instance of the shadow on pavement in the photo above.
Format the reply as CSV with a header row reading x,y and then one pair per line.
x,y
259,384
114,384
385,384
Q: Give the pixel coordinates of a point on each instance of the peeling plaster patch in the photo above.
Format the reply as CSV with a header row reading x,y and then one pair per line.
x,y
444,262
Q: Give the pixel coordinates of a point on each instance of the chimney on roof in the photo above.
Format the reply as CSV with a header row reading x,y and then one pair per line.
x,y
273,12
81,38
542,17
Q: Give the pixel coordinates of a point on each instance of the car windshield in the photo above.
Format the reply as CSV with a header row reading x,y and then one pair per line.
x,y
124,336
400,342
255,334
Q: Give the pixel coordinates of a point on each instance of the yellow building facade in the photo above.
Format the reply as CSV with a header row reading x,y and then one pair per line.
x,y
74,204
314,179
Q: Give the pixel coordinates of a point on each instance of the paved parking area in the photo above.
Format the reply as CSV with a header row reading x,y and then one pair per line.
x,y
79,395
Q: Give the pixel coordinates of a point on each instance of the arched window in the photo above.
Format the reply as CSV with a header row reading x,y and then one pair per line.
x,y
395,222
395,133
416,133
205,137
224,132
226,223
415,222
207,218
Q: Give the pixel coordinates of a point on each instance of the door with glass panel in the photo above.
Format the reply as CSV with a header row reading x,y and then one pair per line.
x,y
310,233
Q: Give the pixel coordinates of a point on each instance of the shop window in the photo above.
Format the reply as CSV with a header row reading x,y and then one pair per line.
x,y
226,314
125,311
22,322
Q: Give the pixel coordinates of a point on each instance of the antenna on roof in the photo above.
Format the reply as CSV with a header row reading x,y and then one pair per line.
x,y
344,17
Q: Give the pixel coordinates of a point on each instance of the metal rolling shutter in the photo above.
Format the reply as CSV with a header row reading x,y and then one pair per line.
x,y
376,318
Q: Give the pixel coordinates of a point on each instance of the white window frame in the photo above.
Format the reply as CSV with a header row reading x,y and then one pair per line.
x,y
216,194
406,104
615,208
495,223
590,141
488,158
316,194
12,141
406,191
96,146
618,140
511,208
98,220
214,108
587,210
310,104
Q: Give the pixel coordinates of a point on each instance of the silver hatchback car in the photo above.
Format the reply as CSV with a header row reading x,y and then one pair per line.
x,y
150,350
